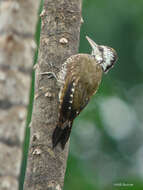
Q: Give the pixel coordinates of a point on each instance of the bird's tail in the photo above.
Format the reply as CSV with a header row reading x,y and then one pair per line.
x,y
61,135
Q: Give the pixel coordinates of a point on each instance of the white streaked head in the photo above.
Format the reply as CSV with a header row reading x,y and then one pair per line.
x,y
104,55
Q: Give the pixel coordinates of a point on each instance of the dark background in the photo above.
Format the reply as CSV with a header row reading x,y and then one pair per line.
x,y
106,146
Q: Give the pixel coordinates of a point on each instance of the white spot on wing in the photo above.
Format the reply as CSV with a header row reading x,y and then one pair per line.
x,y
72,89
77,112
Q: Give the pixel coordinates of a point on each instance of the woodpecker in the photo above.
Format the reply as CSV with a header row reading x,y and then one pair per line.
x,y
80,77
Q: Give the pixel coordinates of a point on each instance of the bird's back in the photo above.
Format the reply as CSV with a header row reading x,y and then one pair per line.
x,y
81,77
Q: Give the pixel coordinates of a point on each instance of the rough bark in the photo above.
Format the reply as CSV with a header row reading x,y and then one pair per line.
x,y
59,39
17,28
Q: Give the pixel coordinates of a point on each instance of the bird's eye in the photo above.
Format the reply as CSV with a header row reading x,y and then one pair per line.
x,y
100,49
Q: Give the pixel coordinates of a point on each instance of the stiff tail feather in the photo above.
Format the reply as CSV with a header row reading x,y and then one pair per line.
x,y
61,136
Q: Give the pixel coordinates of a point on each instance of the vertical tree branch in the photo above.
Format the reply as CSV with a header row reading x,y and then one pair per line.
x,y
59,39
17,28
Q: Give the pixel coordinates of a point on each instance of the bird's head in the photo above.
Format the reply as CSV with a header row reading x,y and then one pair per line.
x,y
104,55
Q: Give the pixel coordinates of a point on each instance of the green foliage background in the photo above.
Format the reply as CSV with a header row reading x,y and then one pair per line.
x,y
106,146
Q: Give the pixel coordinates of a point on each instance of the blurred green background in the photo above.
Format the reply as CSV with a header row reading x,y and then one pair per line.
x,y
106,146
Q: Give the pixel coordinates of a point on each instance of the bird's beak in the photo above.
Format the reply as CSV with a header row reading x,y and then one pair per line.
x,y
92,43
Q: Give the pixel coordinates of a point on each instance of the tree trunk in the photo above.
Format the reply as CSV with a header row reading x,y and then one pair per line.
x,y
59,39
17,28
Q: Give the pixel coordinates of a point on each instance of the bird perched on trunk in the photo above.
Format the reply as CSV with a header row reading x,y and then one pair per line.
x,y
80,77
